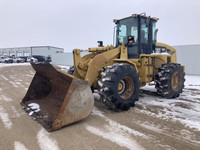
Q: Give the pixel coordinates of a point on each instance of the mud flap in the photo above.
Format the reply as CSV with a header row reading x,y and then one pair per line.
x,y
56,99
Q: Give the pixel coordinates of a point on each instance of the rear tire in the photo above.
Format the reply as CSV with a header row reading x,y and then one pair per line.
x,y
170,80
120,86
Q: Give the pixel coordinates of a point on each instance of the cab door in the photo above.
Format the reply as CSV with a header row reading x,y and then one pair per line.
x,y
133,48
146,44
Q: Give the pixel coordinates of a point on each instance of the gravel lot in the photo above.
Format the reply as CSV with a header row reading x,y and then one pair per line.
x,y
153,124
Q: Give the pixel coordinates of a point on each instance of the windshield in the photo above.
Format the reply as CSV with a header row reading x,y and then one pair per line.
x,y
126,28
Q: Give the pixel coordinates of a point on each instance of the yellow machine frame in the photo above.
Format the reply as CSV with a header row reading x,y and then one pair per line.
x,y
89,66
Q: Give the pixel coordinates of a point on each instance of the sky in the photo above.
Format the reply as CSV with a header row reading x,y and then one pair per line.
x,y
80,24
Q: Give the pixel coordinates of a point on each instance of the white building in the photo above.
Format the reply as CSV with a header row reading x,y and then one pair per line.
x,y
189,56
29,51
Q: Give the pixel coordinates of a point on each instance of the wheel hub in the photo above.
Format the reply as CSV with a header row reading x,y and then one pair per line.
x,y
176,81
126,87
121,86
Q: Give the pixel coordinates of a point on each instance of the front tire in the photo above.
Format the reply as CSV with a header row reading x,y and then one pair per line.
x,y
170,80
120,86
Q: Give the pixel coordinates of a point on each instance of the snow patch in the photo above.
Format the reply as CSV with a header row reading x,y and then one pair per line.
x,y
5,118
184,109
114,125
103,74
105,89
13,64
164,53
13,84
106,79
19,146
96,96
18,83
64,68
28,75
32,72
34,107
5,98
16,114
113,70
31,113
113,135
45,142
100,84
3,77
192,82
151,127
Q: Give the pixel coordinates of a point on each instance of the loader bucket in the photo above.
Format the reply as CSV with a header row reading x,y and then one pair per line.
x,y
56,99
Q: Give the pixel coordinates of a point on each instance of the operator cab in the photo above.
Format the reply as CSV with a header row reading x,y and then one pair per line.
x,y
138,32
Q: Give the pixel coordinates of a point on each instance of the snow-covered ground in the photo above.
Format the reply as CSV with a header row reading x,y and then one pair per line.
x,y
185,108
192,82
154,122
13,64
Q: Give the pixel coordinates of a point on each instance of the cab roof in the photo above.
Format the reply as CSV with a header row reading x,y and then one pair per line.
x,y
136,15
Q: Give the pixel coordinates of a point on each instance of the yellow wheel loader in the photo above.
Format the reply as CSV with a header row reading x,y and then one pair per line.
x,y
56,98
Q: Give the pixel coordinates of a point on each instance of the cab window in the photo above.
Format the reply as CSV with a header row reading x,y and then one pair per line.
x,y
144,32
